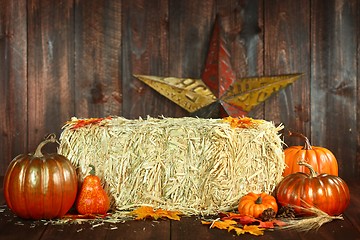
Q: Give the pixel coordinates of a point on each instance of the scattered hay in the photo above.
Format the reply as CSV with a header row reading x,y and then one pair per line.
x,y
192,165
313,222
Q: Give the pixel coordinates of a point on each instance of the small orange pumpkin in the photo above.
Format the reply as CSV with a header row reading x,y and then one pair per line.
x,y
253,204
321,159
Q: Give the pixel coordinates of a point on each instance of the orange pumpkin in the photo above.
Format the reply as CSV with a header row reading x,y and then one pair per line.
x,y
253,204
40,186
326,192
321,159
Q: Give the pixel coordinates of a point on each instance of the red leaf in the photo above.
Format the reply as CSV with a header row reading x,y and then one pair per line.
x,y
266,224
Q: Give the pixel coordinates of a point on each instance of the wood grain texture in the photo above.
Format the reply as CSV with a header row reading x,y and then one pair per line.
x,y
333,80
13,81
357,116
146,51
287,41
12,227
190,29
50,67
77,58
98,83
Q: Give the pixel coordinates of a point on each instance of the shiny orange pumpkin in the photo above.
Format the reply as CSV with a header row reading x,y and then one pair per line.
x,y
253,204
40,186
321,159
326,192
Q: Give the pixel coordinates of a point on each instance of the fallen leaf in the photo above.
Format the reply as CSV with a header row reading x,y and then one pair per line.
x,y
232,225
248,220
240,218
241,122
237,230
84,122
148,212
223,224
254,230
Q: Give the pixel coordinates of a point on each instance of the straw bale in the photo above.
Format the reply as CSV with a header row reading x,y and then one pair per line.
x,y
192,165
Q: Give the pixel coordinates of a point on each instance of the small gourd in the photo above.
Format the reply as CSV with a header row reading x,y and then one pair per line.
x,y
92,198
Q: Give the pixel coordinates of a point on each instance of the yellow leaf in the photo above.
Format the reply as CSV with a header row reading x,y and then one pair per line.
x,y
148,212
254,230
237,230
223,224
220,224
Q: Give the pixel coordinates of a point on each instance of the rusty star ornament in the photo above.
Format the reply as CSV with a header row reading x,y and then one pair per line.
x,y
218,93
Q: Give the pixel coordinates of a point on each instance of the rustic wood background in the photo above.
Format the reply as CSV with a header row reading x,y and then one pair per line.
x,y
67,58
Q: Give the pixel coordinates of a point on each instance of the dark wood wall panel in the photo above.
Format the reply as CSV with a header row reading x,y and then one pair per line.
x,y
333,80
50,67
13,81
357,115
287,47
145,52
98,85
67,58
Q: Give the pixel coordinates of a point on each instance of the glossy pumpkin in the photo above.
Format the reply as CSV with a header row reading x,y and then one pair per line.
x,y
326,192
38,186
253,204
321,159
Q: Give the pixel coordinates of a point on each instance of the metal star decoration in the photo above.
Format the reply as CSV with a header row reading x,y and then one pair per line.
x,y
218,93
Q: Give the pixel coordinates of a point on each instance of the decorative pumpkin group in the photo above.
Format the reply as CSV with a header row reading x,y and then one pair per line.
x,y
310,181
45,186
304,188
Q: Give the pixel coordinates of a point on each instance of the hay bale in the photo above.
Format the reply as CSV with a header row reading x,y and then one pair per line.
x,y
197,166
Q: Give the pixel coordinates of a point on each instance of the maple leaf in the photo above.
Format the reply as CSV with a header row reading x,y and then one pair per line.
x,y
231,225
237,230
84,122
241,122
240,218
148,212
254,230
223,224
247,220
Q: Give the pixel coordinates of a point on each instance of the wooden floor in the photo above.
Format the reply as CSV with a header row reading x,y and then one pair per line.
x,y
12,227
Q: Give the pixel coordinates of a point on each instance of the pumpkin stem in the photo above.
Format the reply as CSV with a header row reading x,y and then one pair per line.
x,y
313,173
92,171
258,200
307,145
51,138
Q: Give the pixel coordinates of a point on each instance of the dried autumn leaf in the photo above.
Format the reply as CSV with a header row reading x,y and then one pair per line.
x,y
254,230
84,122
241,122
240,218
237,230
231,225
148,212
223,224
247,220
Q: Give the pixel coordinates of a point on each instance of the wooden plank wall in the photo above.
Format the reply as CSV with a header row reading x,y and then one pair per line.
x,y
67,58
